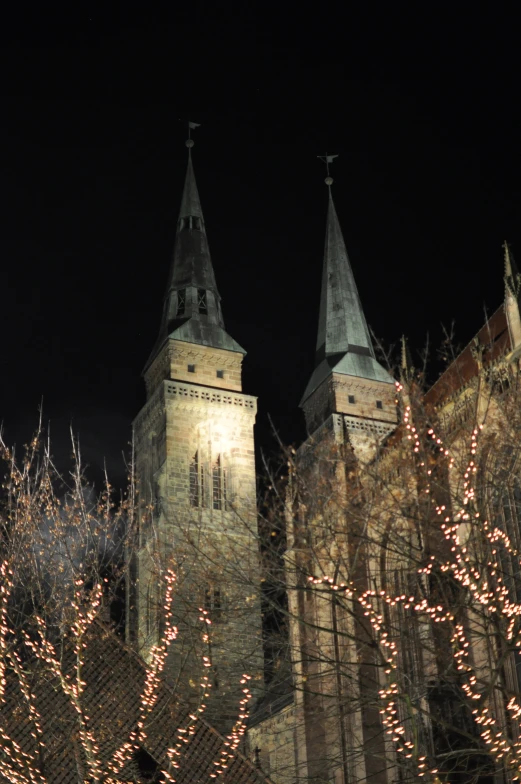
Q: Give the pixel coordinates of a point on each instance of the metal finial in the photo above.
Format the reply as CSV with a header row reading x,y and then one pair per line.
x,y
191,126
327,160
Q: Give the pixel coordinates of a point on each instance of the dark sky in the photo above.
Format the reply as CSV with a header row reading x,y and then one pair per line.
x,y
423,110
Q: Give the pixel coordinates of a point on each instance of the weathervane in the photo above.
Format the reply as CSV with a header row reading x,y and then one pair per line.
x,y
327,160
191,126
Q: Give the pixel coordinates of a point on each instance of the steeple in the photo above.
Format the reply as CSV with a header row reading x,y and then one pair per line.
x,y
406,366
512,298
343,344
512,276
195,470
192,306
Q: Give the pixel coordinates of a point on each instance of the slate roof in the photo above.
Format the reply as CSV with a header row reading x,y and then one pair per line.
x,y
114,675
192,271
192,263
344,344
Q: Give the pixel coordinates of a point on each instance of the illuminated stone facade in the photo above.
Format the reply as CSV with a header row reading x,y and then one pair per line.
x,y
331,726
195,464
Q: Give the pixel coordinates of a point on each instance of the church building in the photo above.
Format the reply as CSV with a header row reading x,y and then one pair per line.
x,y
195,464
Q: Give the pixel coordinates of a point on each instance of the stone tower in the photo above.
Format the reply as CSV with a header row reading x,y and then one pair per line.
x,y
349,406
196,477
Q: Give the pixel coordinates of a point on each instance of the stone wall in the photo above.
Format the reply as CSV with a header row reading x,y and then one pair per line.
x,y
196,469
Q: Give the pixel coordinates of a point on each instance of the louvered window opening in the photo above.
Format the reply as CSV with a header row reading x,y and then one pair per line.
x,y
181,302
202,303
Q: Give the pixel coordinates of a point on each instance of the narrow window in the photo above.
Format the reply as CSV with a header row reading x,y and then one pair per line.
x,y
149,611
191,368
181,301
220,374
218,485
351,398
208,599
201,301
217,602
213,602
194,481
379,404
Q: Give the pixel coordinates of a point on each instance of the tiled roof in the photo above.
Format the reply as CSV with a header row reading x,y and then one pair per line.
x,y
114,675
495,340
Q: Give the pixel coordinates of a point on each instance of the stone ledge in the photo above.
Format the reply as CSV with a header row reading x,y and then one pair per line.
x,y
360,425
183,391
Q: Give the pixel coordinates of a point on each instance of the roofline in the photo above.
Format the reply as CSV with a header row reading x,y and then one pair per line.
x,y
468,345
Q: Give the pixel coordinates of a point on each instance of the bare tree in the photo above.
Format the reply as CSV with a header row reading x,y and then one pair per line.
x,y
403,584
61,567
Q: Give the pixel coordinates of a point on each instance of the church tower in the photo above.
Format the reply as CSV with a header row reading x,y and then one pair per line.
x,y
332,731
195,466
348,388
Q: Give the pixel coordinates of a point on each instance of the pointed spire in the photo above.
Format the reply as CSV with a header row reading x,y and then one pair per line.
x,y
190,202
406,366
512,276
342,325
343,342
512,298
192,308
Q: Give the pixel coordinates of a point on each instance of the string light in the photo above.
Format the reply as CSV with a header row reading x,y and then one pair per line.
x,y
480,574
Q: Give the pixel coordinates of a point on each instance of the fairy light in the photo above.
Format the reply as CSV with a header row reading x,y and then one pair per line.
x,y
481,576
186,732
237,731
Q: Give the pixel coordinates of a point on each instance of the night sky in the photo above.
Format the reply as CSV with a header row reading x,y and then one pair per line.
x,y
423,110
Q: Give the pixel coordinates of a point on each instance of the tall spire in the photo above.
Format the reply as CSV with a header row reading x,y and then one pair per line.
x,y
341,326
192,306
512,276
343,343
406,366
512,298
192,263
190,202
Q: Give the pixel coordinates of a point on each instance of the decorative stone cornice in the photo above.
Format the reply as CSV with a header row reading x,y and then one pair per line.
x,y
369,426
208,356
190,393
355,384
